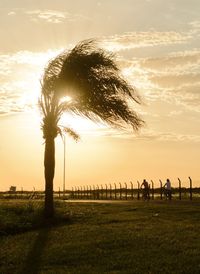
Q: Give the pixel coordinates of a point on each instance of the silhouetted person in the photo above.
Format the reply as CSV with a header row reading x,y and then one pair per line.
x,y
168,189
145,189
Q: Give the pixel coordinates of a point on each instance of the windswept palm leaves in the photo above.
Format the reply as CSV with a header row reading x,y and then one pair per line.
x,y
90,77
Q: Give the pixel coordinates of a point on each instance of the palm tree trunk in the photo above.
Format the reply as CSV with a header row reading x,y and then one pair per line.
x,y
49,170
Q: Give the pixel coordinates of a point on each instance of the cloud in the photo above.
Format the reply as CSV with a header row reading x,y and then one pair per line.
x,y
20,75
48,16
195,27
151,38
172,78
11,13
168,136
53,16
174,63
148,135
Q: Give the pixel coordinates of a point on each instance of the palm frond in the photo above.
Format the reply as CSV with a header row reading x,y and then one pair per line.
x,y
72,133
90,76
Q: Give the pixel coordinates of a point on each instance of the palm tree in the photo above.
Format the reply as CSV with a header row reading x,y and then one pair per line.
x,y
91,78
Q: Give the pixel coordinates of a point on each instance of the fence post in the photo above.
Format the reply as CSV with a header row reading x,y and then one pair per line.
x,y
152,189
72,193
179,181
110,192
97,192
115,191
138,194
106,191
87,190
126,191
84,192
77,193
34,192
101,192
131,190
161,189
190,187
94,193
120,191
79,189
90,191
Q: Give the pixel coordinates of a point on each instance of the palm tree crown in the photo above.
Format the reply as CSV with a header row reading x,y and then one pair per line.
x,y
90,76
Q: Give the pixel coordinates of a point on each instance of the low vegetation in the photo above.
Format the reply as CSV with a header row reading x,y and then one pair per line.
x,y
127,237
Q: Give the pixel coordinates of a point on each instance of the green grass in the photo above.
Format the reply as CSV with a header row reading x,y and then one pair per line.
x,y
135,237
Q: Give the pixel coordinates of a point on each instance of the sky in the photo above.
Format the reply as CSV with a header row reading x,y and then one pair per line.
x,y
156,46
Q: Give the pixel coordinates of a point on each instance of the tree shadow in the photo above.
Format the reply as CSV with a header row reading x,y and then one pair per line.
x,y
33,260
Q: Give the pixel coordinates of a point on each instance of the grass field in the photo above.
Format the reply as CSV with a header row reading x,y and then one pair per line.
x,y
127,237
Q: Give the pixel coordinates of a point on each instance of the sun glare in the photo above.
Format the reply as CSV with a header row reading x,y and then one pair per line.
x,y
66,99
30,88
80,124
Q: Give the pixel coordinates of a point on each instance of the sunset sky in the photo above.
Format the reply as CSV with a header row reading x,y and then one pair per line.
x,y
157,47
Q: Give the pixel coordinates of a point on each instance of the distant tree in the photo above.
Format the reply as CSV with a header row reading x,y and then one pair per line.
x,y
90,76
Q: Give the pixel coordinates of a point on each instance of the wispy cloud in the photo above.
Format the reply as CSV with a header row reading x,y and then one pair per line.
x,y
11,13
54,16
144,39
173,78
195,27
168,136
148,135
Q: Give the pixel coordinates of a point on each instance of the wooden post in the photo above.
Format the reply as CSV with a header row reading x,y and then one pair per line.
x,y
87,195
190,187
84,192
131,190
90,192
110,192
152,190
138,194
106,191
126,191
78,193
97,192
115,191
120,191
81,192
101,191
179,181
94,193
161,190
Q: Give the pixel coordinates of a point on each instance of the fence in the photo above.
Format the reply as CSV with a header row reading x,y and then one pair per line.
x,y
128,192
